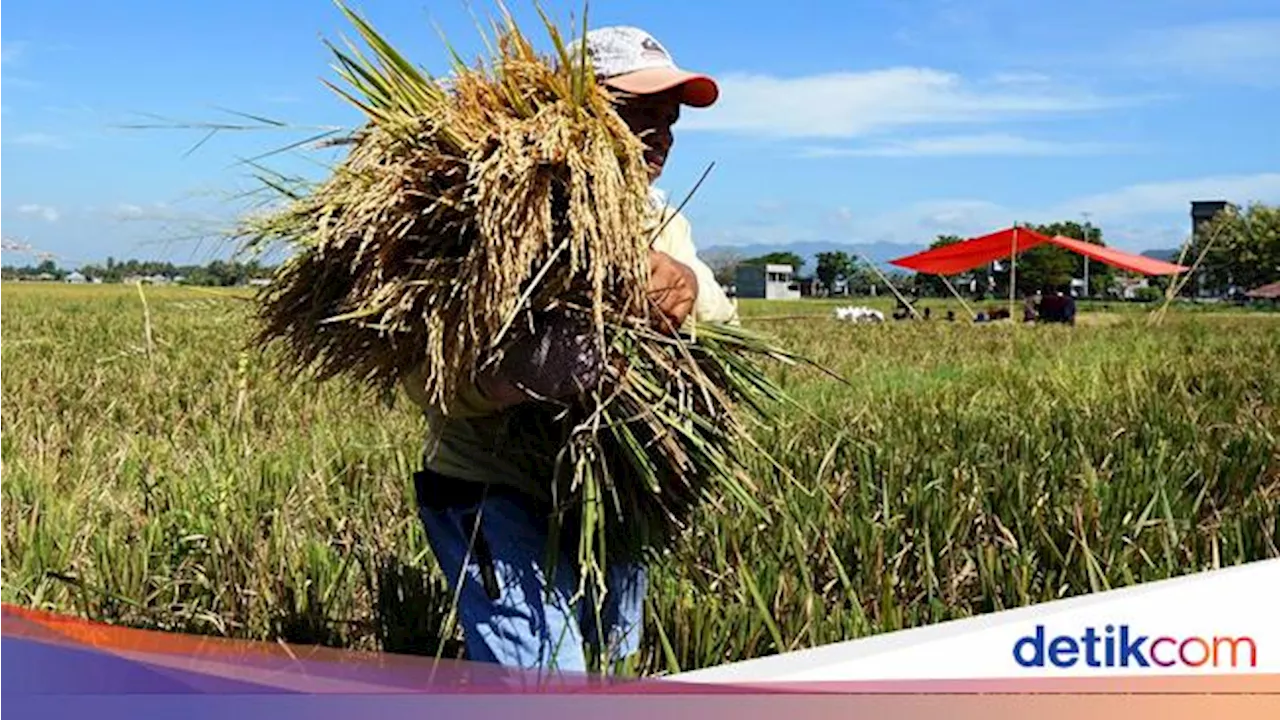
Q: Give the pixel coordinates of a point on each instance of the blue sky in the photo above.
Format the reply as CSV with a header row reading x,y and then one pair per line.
x,y
892,120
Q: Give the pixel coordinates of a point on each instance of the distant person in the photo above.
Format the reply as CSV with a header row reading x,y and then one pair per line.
x,y
927,313
1058,308
1029,308
1069,310
951,316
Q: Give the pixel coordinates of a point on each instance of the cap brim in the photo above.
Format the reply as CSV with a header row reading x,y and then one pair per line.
x,y
697,90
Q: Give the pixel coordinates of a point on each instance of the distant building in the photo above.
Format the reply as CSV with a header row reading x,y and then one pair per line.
x,y
1202,211
770,282
1129,288
156,279
75,277
810,287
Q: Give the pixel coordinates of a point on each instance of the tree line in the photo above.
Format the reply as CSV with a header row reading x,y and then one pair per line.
x,y
836,272
218,273
1236,251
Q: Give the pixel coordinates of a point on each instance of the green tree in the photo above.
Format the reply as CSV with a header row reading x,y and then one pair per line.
x,y
1241,250
50,267
1045,267
778,258
832,268
1102,277
860,277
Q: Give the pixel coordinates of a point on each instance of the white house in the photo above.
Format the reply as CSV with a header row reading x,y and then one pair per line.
x,y
76,277
771,282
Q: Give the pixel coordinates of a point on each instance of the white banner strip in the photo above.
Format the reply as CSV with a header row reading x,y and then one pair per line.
x,y
1218,622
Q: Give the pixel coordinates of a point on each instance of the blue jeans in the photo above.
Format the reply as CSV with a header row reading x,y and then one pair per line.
x,y
512,611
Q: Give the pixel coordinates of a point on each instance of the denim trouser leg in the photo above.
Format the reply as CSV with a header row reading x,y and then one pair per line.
x,y
525,619
622,614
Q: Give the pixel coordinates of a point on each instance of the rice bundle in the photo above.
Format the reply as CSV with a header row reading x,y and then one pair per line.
x,y
468,208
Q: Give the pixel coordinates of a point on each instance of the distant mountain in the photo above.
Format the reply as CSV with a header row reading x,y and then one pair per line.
x,y
1165,255
879,253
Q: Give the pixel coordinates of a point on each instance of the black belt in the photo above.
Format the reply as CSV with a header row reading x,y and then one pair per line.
x,y
438,493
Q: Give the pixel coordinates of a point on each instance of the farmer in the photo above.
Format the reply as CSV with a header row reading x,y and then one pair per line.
x,y
483,492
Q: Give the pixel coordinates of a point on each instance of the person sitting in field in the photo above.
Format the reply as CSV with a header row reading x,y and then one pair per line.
x,y
1058,308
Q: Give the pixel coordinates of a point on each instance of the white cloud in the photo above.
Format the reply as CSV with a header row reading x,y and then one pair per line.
x,y
851,104
1174,196
1021,78
155,211
1134,217
47,212
1138,216
10,51
1233,51
39,139
967,145
921,222
125,211
194,221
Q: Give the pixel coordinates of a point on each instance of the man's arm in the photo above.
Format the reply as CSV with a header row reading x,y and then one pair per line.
x,y
712,304
559,360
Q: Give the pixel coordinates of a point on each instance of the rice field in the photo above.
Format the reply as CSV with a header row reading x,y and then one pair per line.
x,y
155,475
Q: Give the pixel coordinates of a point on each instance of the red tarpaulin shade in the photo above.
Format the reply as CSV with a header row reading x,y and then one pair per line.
x,y
1119,258
970,254
967,255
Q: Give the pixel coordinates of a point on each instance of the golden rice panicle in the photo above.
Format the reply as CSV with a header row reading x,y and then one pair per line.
x,y
464,208
458,208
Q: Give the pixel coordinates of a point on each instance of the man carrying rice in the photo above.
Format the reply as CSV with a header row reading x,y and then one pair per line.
x,y
482,494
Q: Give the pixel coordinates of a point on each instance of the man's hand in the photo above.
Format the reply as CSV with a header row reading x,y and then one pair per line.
x,y
673,288
557,359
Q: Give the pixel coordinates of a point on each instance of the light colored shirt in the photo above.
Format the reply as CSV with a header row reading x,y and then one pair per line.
x,y
475,440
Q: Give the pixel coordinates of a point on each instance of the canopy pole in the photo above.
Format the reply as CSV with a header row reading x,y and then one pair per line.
x,y
881,275
965,305
1013,271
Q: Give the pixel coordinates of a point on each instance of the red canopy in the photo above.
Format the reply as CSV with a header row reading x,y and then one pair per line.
x,y
959,257
1119,258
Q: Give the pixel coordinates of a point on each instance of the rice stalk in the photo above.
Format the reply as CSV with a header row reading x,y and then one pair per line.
x,y
466,209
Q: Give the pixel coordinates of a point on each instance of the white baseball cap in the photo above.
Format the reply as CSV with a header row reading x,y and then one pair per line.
x,y
633,61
